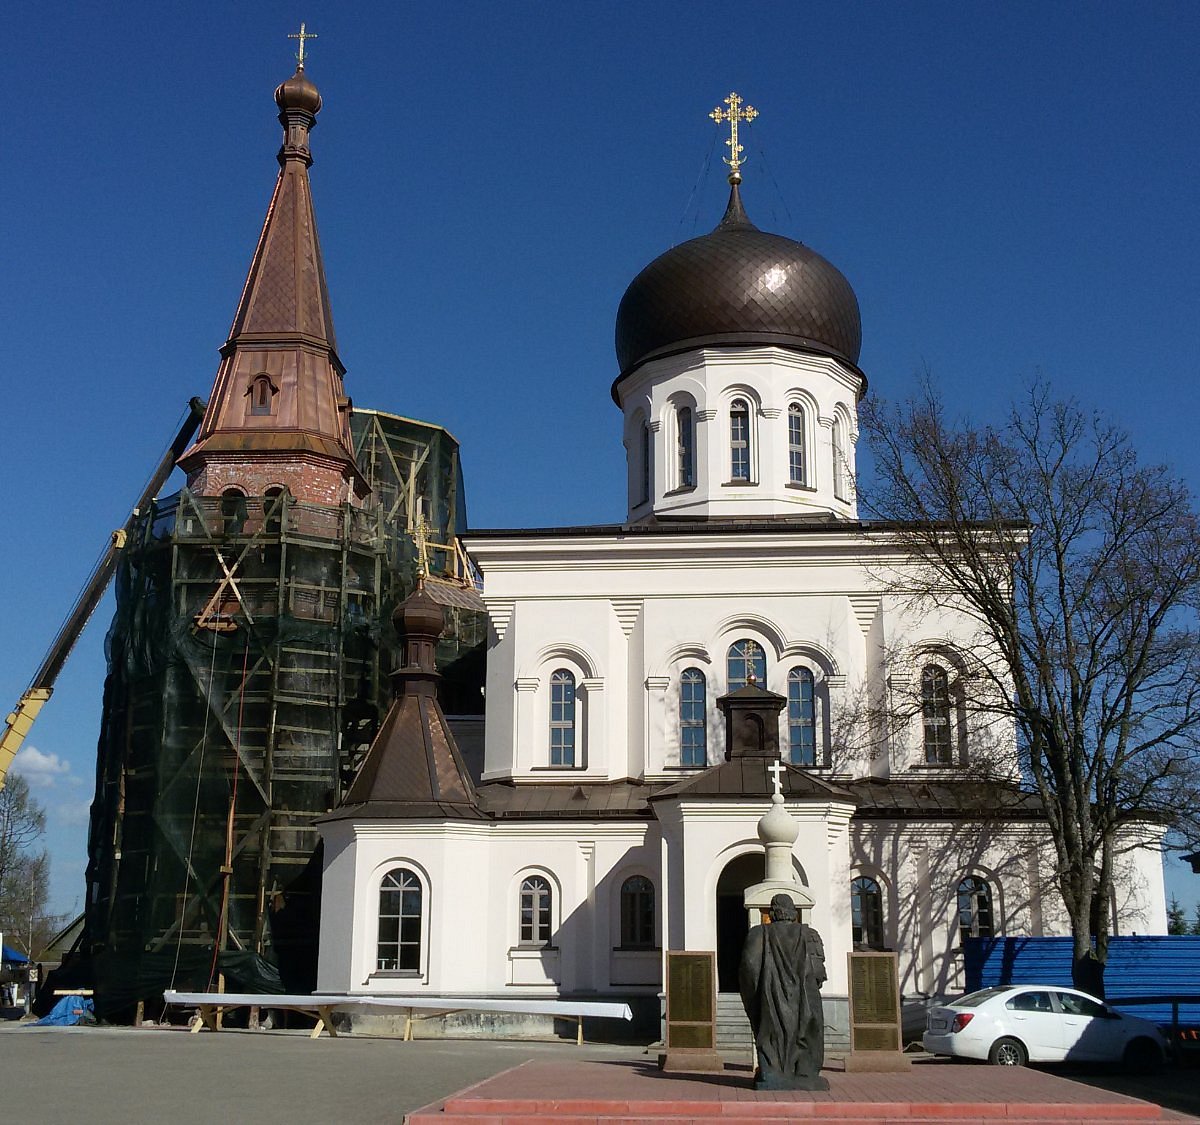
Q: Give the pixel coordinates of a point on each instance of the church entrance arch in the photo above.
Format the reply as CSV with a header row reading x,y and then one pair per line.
x,y
732,924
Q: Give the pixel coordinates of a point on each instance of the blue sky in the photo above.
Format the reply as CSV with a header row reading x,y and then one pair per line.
x,y
1010,188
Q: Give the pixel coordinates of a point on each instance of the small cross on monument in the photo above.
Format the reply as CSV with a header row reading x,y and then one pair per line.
x,y
302,35
776,769
733,115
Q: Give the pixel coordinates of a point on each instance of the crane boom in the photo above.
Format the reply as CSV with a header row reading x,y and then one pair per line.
x,y
21,718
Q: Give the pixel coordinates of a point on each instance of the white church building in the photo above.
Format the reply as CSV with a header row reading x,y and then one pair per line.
x,y
612,813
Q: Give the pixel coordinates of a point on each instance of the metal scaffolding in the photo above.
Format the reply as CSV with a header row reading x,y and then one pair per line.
x,y
247,675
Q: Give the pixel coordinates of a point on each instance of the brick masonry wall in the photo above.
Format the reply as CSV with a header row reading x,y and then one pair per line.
x,y
310,480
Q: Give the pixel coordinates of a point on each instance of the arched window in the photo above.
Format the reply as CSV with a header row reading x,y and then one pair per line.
x,y
802,718
645,465
261,393
686,439
535,910
562,718
746,659
637,913
234,511
739,440
693,724
838,437
399,947
935,712
974,908
866,913
797,471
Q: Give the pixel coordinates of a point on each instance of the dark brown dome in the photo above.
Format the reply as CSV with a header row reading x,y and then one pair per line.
x,y
737,285
419,616
298,93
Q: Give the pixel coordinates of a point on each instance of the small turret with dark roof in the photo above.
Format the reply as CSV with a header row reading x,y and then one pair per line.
x,y
413,769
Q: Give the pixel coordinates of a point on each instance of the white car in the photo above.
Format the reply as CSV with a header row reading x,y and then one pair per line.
x,y
1016,1024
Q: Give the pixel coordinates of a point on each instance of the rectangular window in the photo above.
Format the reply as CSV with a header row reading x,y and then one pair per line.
x,y
796,473
687,458
562,719
693,749
739,442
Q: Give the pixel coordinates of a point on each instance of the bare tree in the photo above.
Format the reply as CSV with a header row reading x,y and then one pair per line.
x,y
1081,568
24,872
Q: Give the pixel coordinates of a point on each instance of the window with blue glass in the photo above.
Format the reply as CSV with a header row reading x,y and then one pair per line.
x,y
746,661
399,946
687,447
693,740
535,911
802,718
562,718
797,472
866,913
739,440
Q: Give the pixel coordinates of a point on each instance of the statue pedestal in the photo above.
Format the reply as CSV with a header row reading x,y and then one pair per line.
x,y
691,1060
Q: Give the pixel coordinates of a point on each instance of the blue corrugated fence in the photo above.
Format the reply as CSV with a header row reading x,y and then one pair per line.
x,y
1137,967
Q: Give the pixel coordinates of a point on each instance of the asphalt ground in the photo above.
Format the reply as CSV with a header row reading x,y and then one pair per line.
x,y
118,1076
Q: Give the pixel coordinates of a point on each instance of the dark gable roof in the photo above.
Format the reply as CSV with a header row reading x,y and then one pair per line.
x,y
943,799
622,800
749,777
413,770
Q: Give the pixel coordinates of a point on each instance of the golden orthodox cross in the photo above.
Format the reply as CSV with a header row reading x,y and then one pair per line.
x,y
302,36
733,115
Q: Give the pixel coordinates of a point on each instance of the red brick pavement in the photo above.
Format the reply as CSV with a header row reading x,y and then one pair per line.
x,y
636,1093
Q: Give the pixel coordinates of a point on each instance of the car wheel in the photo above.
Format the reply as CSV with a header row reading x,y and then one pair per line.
x,y
1008,1052
1143,1056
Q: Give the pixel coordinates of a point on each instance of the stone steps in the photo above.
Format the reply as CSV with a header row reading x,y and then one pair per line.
x,y
733,1028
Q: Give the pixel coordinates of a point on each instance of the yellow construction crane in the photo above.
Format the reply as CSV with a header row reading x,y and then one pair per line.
x,y
17,725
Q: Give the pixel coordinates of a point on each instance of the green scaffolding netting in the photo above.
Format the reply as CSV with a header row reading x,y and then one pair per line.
x,y
247,673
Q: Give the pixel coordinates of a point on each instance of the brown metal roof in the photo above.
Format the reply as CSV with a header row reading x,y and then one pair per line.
x,y
412,771
750,777
283,331
568,800
737,286
943,799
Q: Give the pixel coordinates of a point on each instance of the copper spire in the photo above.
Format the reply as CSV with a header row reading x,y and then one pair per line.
x,y
278,413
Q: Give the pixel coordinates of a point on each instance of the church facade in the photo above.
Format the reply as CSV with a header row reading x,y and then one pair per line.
x,y
611,812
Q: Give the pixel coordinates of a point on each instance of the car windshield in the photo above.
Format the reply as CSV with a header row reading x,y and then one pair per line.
x,y
974,999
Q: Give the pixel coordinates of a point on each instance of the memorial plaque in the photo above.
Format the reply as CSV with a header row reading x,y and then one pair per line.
x,y
691,1036
874,1004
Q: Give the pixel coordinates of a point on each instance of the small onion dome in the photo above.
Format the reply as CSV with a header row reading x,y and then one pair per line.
x,y
298,93
419,616
737,286
778,826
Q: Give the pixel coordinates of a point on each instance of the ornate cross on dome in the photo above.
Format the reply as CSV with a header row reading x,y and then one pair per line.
x,y
302,36
776,770
733,115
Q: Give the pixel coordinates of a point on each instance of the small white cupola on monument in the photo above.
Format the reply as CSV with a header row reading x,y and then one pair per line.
x,y
739,379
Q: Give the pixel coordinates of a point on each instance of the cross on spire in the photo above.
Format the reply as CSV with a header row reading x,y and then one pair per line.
x,y
302,35
776,769
733,115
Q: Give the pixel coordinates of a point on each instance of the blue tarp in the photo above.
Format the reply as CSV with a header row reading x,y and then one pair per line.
x,y
68,1012
10,954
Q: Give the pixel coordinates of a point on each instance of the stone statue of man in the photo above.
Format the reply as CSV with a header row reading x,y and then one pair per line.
x,y
780,978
